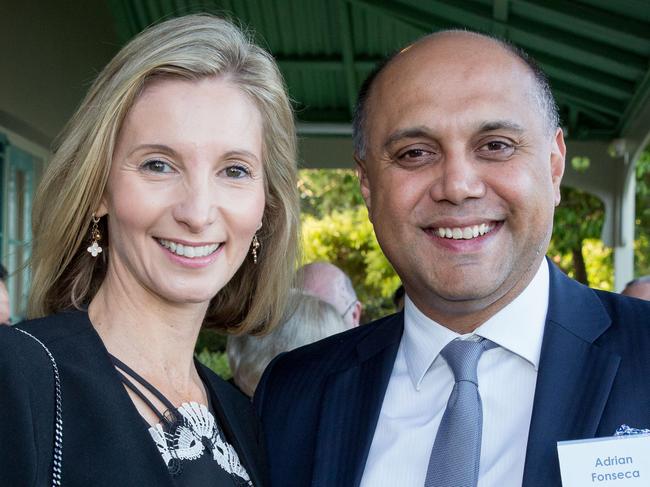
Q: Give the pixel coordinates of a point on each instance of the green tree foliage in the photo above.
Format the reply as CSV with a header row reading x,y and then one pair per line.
x,y
642,223
217,361
346,238
599,263
324,190
335,228
576,244
579,218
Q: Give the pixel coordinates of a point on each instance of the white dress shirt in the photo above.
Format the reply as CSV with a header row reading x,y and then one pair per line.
x,y
421,382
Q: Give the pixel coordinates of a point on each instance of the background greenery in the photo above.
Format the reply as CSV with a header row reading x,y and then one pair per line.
x,y
335,228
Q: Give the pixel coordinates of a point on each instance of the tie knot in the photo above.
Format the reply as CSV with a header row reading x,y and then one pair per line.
x,y
463,356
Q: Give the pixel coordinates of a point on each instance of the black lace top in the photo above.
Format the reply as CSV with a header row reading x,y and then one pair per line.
x,y
189,439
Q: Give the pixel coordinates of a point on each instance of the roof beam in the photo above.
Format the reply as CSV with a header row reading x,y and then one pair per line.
x,y
330,65
578,51
573,118
580,77
641,98
596,103
635,122
584,78
587,105
587,109
604,58
410,15
125,25
327,64
571,47
348,53
323,115
587,22
634,8
500,11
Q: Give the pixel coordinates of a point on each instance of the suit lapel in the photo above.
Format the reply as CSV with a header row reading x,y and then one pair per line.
x,y
574,379
351,404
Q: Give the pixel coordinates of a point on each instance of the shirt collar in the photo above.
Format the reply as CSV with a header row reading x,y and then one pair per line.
x,y
518,327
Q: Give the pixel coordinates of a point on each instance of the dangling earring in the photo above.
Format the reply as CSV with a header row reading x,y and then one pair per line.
x,y
255,246
95,237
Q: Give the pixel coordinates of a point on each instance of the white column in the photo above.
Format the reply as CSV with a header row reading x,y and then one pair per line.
x,y
624,234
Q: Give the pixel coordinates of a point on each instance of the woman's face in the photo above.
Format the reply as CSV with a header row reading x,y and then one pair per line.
x,y
185,193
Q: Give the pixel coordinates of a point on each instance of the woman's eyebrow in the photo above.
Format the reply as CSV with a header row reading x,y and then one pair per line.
x,y
156,147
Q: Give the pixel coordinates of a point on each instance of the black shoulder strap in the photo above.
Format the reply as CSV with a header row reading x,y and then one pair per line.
x,y
57,465
126,372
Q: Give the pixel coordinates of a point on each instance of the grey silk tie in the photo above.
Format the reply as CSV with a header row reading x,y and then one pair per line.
x,y
456,453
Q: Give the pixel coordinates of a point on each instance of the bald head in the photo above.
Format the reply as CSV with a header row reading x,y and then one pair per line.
x,y
450,49
333,286
639,288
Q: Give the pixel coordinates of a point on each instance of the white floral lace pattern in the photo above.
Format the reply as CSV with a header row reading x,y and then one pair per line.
x,y
188,442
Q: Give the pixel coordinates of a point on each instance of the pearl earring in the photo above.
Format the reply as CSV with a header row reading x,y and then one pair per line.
x,y
95,237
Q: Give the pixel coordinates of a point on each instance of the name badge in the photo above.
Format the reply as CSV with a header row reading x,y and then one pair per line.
x,y
604,462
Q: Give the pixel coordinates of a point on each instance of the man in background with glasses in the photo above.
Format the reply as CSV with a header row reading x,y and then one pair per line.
x,y
332,285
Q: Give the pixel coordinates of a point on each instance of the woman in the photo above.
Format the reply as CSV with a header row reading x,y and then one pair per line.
x,y
169,205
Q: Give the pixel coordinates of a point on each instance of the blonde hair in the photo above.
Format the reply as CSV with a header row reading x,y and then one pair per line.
x,y
193,47
308,320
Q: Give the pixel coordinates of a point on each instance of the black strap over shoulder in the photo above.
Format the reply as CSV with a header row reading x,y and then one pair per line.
x,y
126,372
57,463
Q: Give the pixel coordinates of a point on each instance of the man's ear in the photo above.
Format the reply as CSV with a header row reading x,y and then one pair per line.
x,y
558,155
356,313
364,184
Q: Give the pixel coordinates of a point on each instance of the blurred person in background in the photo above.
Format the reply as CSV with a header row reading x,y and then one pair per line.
x,y
333,286
309,319
5,303
638,288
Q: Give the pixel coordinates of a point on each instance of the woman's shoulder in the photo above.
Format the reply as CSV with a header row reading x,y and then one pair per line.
x,y
54,327
26,348
25,367
24,379
18,346
28,400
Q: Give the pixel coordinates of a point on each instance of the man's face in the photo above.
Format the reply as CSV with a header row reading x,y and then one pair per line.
x,y
461,176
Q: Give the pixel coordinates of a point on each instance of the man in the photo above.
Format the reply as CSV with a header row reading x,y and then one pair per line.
x,y
460,160
332,285
5,307
638,288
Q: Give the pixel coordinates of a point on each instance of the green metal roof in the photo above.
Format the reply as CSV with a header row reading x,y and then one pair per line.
x,y
596,52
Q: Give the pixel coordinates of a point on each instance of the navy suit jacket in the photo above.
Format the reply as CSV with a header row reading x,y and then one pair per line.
x,y
320,404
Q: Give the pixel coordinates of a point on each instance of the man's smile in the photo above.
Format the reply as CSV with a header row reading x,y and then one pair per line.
x,y
464,233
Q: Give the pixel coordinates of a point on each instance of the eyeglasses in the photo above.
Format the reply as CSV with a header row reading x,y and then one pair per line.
x,y
349,308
